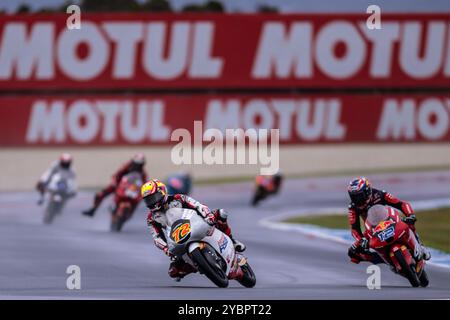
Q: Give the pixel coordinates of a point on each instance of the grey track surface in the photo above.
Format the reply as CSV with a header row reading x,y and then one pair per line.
x,y
34,257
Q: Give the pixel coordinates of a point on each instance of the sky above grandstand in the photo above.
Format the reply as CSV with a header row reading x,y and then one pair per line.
x,y
284,6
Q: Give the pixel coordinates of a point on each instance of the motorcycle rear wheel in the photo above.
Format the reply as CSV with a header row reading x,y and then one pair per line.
x,y
408,271
207,264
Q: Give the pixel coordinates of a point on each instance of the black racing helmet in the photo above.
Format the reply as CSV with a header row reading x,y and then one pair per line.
x,y
360,191
65,160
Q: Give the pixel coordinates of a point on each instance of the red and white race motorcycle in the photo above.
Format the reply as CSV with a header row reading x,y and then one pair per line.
x,y
127,197
396,243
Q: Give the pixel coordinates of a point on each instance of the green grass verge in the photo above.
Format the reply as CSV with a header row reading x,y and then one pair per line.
x,y
433,226
340,173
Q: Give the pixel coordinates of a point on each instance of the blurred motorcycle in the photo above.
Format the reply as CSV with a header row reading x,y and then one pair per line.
x,y
396,243
266,186
206,248
179,184
60,188
126,199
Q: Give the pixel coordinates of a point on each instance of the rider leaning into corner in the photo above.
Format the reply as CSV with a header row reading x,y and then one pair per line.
x,y
158,201
136,164
62,165
363,197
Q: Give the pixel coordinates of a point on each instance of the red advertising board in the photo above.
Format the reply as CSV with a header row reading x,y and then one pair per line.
x,y
153,120
188,51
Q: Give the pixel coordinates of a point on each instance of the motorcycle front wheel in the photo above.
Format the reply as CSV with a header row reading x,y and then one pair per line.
x,y
119,217
52,208
207,263
408,271
424,279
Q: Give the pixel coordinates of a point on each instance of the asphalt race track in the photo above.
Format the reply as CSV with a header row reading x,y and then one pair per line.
x,y
34,257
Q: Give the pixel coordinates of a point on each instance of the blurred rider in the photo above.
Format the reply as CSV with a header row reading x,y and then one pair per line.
x,y
179,183
61,166
158,201
362,197
135,164
266,185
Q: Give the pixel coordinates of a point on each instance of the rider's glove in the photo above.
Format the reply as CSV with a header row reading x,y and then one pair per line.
x,y
364,243
167,252
411,219
203,210
40,186
210,219
222,214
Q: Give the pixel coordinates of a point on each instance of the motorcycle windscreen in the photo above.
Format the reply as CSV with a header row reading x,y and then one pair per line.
x,y
377,214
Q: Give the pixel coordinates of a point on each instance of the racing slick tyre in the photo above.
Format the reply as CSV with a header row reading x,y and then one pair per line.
x,y
259,195
119,218
424,279
249,278
50,211
209,264
409,271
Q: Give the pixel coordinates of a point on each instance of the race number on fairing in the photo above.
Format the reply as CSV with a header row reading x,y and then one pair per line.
x,y
386,234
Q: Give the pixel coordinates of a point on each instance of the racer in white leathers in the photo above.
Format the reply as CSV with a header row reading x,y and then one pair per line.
x,y
63,167
158,201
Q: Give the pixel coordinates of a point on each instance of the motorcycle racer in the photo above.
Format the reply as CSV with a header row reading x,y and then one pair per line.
x,y
136,164
266,186
62,165
363,197
158,201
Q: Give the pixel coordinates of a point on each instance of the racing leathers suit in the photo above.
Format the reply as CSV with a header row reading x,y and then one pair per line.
x,y
157,224
358,251
110,188
46,178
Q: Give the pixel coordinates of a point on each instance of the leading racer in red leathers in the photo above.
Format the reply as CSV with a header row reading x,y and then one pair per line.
x,y
363,196
158,201
136,164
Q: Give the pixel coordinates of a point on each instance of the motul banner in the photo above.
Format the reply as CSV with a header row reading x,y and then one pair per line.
x,y
151,120
224,51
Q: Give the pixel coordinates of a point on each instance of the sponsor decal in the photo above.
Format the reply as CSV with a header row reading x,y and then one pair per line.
x,y
182,51
223,243
154,120
181,232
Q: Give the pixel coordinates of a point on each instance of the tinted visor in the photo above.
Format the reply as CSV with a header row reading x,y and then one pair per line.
x,y
136,167
359,199
153,200
65,164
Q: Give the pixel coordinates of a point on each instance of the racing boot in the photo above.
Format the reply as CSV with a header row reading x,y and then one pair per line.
x,y
426,253
358,255
178,269
89,212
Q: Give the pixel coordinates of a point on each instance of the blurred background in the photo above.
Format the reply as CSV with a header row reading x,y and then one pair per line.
x,y
345,97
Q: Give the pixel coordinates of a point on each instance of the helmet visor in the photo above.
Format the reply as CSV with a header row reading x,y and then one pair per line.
x,y
153,200
359,198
